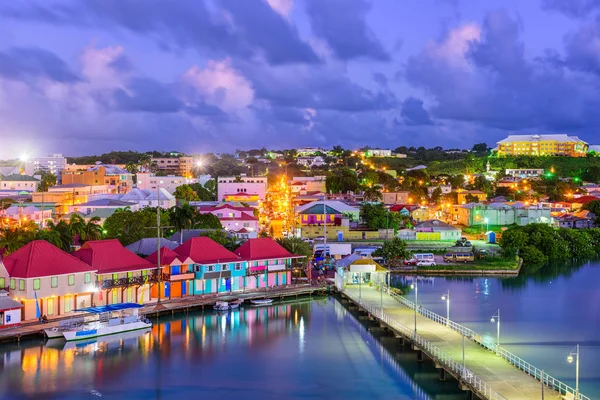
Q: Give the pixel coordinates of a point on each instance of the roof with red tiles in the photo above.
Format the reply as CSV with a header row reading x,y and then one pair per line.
x,y
224,207
167,257
109,256
262,249
242,217
584,199
204,250
39,259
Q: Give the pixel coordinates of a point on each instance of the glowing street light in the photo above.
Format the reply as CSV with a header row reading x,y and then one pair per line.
x,y
416,287
574,356
446,298
496,319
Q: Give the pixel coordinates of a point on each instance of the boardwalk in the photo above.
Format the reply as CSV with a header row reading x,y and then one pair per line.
x,y
502,377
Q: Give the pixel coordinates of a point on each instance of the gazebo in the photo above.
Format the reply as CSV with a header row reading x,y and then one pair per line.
x,y
364,271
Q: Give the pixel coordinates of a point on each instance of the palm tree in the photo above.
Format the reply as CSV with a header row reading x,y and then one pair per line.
x,y
52,237
12,239
76,225
92,230
63,230
182,218
373,193
296,245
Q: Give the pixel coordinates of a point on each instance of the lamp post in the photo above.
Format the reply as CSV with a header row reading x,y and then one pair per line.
x,y
496,319
446,297
416,287
486,221
574,356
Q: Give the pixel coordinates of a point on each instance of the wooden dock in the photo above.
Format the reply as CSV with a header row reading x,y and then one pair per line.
x,y
35,329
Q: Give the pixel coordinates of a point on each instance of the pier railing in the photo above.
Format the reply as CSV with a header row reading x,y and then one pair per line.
x,y
479,386
518,362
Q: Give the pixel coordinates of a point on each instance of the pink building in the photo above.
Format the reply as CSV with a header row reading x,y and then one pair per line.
x,y
236,219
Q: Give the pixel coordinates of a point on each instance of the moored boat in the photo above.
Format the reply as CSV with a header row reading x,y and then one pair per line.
x,y
112,319
261,302
221,306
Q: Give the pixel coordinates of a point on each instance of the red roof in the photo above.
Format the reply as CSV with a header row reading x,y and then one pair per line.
x,y
167,256
584,199
262,249
399,207
109,256
225,206
242,194
242,217
204,250
40,258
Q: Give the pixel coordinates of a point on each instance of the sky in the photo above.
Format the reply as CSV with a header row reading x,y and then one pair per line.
x,y
86,77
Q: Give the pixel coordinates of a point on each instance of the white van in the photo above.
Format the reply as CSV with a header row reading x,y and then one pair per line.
x,y
424,257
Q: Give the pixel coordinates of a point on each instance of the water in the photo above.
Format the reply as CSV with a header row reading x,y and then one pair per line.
x,y
543,315
309,349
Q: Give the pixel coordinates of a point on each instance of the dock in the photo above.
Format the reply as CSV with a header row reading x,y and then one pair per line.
x,y
487,370
35,329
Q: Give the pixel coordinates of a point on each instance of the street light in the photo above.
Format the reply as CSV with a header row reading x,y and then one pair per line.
x,y
446,297
574,356
486,220
416,287
496,319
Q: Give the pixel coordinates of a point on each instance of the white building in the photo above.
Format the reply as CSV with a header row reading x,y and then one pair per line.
x,y
308,184
247,185
309,151
169,183
53,164
148,198
446,189
524,172
377,153
28,213
311,161
19,183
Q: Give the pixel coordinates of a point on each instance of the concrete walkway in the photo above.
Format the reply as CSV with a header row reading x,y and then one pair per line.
x,y
503,377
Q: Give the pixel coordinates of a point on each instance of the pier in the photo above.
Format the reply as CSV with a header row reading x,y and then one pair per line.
x,y
33,329
482,367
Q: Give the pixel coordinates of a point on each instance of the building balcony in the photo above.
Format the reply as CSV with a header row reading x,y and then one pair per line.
x,y
132,281
182,277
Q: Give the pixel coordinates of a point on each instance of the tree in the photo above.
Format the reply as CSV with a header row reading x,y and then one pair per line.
x,y
11,239
185,192
182,218
207,221
63,232
480,148
207,192
373,193
341,180
512,240
470,198
92,230
220,236
436,195
393,251
296,245
376,216
532,256
594,208
48,180
130,226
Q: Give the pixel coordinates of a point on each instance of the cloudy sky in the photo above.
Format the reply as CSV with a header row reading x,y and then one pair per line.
x,y
83,77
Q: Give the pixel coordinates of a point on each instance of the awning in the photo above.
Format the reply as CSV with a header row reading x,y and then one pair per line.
x,y
108,308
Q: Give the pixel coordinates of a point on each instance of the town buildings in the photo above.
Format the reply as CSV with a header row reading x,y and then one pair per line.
x,y
431,230
542,145
180,166
23,214
311,184
376,153
499,214
39,271
19,183
400,197
116,178
241,188
310,161
525,172
169,183
239,220
53,164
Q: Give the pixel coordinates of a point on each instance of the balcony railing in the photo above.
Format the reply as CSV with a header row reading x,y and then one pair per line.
x,y
131,281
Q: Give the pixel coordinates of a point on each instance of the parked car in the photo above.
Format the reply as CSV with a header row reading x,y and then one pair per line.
x,y
468,244
425,263
459,257
412,261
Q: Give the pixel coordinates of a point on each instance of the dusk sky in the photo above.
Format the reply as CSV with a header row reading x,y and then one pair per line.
x,y
85,77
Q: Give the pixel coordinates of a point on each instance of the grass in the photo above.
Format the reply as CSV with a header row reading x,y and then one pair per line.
x,y
487,264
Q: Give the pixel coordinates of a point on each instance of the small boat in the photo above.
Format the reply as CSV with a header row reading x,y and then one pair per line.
x,y
261,302
112,319
221,306
235,304
56,332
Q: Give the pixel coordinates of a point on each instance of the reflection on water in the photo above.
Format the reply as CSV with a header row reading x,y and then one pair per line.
x,y
545,313
310,349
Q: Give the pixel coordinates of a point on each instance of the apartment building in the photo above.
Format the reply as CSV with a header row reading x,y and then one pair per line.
x,y
542,145
181,166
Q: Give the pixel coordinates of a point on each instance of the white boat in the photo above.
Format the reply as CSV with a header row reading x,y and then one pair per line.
x,y
261,302
56,332
221,306
112,319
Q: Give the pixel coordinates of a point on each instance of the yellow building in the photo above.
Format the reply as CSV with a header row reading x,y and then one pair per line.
x,y
542,145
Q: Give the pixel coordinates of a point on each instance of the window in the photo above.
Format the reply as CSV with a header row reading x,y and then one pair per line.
x,y
12,284
36,284
87,278
68,303
144,272
256,263
115,277
21,284
2,282
238,267
54,281
71,280
210,268
225,267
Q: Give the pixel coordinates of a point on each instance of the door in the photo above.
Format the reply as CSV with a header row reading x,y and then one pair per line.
x,y
167,290
208,286
228,284
50,306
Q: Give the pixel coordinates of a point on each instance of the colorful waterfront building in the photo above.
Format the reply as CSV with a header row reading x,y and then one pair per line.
x,y
542,145
216,269
122,276
177,270
269,264
41,273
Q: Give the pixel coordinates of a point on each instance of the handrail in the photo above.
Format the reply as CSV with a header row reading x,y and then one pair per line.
x,y
513,359
479,386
